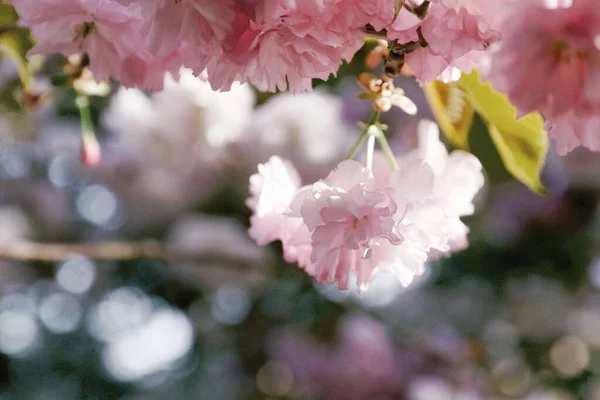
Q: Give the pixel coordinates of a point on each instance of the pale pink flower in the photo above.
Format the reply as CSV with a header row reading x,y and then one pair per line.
x,y
272,190
549,62
277,44
440,188
476,59
403,224
421,222
459,178
452,29
377,13
571,129
404,27
547,57
347,216
358,222
352,223
106,30
197,22
459,175
148,72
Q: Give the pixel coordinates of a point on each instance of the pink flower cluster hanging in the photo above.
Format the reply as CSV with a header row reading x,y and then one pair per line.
x,y
360,221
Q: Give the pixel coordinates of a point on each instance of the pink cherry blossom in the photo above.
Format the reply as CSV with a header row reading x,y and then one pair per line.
x,y
347,216
459,178
272,190
421,223
283,43
197,22
104,29
549,62
452,29
352,223
571,130
143,70
377,13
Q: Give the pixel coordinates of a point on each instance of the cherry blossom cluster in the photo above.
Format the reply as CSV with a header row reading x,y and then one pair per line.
x,y
274,44
363,217
359,220
549,61
544,54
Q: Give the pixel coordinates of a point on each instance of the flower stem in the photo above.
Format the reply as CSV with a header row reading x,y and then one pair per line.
x,y
387,151
83,105
370,151
90,150
356,146
363,136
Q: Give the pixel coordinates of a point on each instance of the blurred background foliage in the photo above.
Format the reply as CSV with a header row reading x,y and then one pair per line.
x,y
516,316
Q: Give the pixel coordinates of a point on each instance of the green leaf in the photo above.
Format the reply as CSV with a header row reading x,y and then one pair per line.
x,y
8,15
15,42
452,110
522,143
14,46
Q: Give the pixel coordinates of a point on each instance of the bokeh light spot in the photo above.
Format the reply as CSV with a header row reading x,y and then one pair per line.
x,y
76,274
60,312
570,356
230,305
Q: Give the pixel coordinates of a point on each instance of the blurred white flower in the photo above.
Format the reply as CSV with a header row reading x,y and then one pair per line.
x,y
169,148
307,129
166,337
185,121
438,389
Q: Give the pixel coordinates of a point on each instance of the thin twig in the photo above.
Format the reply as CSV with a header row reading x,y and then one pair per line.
x,y
373,33
117,251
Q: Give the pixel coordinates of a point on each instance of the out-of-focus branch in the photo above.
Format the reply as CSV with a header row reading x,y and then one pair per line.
x,y
117,251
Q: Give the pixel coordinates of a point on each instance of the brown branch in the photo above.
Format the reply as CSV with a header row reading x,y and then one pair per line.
x,y
116,251
373,33
422,10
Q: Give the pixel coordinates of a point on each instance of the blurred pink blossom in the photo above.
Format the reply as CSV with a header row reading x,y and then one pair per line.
x,y
108,31
549,62
364,363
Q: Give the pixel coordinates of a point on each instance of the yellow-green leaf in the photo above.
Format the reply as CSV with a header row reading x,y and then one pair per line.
x,y
8,15
15,42
14,46
522,143
452,110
